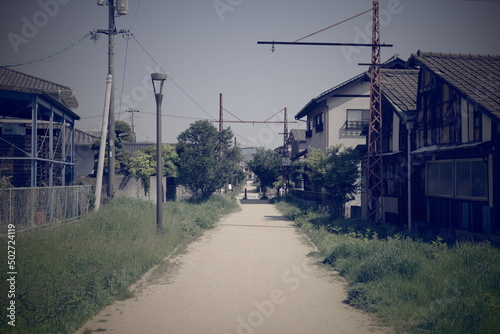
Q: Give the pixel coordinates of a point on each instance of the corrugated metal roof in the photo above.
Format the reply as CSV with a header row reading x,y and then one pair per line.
x,y
298,134
21,82
475,76
400,88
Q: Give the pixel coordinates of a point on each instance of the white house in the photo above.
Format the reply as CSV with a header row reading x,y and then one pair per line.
x,y
341,115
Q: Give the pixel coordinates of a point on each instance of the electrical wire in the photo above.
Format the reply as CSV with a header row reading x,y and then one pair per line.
x,y
239,119
135,14
127,37
169,77
333,25
50,56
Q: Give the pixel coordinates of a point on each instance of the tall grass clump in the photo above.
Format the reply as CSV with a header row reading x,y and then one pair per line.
x,y
68,273
412,285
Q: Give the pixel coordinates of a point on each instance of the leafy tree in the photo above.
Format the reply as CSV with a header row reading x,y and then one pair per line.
x,y
337,172
143,164
207,158
266,164
123,133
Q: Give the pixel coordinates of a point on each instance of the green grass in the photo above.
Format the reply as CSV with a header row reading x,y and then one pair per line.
x,y
68,273
412,285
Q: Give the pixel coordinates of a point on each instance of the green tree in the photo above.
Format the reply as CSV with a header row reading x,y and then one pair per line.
x,y
123,133
266,164
207,158
337,171
143,164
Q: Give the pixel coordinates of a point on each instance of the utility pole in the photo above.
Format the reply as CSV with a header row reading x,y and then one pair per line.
x,y
374,171
132,111
111,71
121,8
221,113
285,164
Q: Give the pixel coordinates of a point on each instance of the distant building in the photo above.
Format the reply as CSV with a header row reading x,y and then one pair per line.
x,y
37,130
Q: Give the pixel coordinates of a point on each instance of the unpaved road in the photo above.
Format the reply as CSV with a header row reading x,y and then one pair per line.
x,y
251,274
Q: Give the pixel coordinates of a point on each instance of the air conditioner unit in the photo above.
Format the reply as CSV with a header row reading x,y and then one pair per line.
x,y
13,129
122,7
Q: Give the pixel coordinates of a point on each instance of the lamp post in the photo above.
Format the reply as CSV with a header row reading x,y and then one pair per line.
x,y
158,81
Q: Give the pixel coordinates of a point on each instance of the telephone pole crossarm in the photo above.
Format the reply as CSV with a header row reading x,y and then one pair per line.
x,y
324,44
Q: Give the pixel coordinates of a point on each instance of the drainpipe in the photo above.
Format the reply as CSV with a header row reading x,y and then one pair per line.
x,y
409,119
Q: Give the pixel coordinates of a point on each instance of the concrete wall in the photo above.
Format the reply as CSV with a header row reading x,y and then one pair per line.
x,y
132,188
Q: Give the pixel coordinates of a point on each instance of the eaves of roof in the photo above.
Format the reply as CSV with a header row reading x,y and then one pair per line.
x,y
329,93
476,77
13,80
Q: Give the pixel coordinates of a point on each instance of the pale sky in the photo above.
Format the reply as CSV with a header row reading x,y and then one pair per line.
x,y
210,46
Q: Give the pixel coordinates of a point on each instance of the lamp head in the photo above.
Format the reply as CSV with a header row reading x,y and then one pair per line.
x,y
158,79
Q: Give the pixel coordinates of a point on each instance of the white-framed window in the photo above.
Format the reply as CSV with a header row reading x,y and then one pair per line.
x,y
357,118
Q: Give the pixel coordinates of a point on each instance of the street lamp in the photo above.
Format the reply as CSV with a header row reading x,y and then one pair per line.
x,y
158,81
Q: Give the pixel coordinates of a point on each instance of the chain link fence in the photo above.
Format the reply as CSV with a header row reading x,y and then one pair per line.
x,y
31,207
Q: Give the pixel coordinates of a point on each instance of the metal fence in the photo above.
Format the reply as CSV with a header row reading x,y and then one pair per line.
x,y
32,207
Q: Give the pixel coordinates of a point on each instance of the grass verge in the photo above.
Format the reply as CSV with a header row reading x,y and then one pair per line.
x,y
414,286
68,273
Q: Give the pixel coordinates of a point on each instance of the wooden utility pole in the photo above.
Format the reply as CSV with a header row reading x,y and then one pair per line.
x,y
221,113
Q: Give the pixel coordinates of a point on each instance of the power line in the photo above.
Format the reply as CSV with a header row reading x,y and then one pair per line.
x,y
50,56
333,25
169,77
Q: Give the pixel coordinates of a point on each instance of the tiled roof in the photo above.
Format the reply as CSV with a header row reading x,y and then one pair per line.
x,y
400,88
17,81
476,76
394,62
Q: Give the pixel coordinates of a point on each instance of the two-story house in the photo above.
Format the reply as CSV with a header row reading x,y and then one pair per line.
x,y
456,161
340,116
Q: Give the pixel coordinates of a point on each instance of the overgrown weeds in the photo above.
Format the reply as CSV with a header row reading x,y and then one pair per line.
x,y
415,286
68,273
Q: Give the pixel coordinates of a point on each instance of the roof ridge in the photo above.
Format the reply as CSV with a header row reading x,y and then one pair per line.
x,y
36,78
453,55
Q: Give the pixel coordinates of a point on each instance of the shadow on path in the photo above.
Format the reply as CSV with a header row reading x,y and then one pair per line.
x,y
254,201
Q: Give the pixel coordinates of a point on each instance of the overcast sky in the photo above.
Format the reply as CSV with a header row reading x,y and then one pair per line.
x,y
210,46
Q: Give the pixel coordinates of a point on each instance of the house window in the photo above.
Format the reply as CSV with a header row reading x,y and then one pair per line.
x,y
440,178
318,122
459,179
357,118
309,129
472,179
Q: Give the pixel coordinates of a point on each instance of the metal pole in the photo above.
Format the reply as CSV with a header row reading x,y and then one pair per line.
x,y
111,70
159,193
409,127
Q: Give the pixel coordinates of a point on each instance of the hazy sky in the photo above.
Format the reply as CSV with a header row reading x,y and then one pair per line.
x,y
210,46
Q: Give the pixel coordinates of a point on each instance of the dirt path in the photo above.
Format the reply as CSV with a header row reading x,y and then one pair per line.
x,y
252,274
